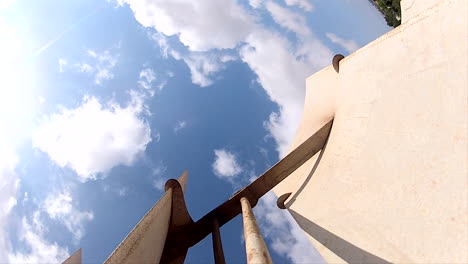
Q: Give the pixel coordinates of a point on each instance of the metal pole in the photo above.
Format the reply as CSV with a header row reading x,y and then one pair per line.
x,y
217,245
255,247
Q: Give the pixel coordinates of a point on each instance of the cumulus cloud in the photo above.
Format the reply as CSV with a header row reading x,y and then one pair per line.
x,y
225,164
93,138
287,238
59,207
349,45
39,249
196,22
283,77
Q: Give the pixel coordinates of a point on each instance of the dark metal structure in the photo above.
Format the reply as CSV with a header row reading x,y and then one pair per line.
x,y
185,233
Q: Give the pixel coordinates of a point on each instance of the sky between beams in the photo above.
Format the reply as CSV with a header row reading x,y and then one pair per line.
x,y
102,101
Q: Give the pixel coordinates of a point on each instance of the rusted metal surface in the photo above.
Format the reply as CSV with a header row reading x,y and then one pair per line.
x,y
180,218
255,247
217,244
282,199
336,62
183,236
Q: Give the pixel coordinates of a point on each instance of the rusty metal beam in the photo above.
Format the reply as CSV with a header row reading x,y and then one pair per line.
x,y
186,236
217,244
255,247
180,218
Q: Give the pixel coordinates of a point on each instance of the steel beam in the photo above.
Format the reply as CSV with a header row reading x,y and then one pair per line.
x,y
217,244
187,235
255,247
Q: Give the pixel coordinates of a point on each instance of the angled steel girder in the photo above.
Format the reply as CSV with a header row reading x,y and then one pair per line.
x,y
185,233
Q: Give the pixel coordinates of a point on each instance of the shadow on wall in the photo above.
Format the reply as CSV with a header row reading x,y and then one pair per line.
x,y
317,162
342,248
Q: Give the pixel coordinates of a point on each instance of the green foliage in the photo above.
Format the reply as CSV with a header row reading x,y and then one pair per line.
x,y
390,9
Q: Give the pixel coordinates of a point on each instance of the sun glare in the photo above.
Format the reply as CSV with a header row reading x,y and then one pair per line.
x,y
18,99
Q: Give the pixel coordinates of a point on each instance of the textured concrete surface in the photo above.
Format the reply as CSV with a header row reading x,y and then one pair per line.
x,y
255,247
392,182
74,259
412,8
145,243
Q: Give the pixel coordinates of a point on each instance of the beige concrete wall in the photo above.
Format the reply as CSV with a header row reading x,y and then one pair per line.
x,y
412,8
145,243
392,183
74,259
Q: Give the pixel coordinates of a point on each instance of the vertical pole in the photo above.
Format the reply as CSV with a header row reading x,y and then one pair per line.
x,y
217,245
255,247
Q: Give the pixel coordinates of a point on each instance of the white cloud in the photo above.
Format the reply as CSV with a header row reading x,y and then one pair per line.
x,y
147,77
156,136
281,66
18,107
255,3
84,67
305,4
202,65
283,77
159,180
39,249
159,184
98,64
348,45
8,187
287,238
288,19
180,125
59,207
164,47
93,138
225,164
196,22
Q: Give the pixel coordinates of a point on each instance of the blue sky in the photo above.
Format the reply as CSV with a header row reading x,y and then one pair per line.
x,y
102,101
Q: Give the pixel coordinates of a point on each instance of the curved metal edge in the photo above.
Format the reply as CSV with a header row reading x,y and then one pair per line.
x,y
180,218
336,62
282,199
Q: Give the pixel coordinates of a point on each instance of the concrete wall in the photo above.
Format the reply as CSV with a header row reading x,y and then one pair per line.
x,y
74,259
145,243
392,183
412,8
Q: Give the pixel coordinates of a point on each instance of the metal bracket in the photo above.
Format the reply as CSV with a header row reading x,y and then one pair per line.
x,y
336,62
180,219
